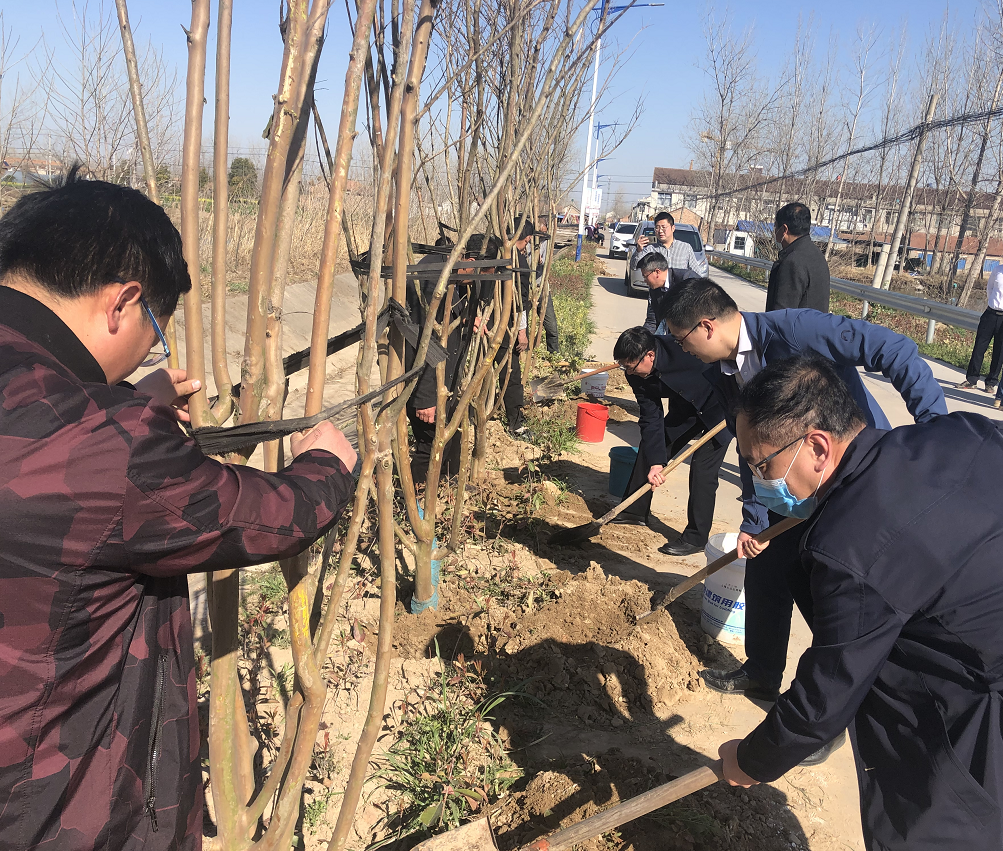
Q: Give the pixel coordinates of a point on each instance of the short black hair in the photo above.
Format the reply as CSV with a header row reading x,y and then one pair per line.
x,y
76,237
694,299
665,214
528,228
796,216
651,261
633,344
482,247
793,396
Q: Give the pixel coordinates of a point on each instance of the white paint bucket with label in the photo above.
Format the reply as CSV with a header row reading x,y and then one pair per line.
x,y
595,385
723,612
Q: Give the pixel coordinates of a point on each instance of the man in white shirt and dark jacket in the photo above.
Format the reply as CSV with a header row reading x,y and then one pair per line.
x,y
658,369
901,549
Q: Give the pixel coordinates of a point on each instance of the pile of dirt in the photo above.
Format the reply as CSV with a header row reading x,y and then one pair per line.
x,y
711,820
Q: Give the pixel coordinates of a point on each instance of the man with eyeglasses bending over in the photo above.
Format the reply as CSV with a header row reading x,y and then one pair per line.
x,y
706,322
902,553
656,369
107,506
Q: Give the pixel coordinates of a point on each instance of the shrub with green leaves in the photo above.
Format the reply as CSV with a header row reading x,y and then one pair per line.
x,y
447,762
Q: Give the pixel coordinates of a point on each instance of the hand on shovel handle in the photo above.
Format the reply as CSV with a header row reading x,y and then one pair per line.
x,y
728,558
629,810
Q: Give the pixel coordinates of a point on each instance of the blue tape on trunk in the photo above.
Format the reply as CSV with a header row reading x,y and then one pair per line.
x,y
418,606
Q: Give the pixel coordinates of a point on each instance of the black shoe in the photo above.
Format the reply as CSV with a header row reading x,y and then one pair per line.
x,y
823,753
628,520
738,682
968,385
990,388
679,548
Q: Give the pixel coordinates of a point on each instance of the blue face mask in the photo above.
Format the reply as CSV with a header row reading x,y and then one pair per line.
x,y
776,496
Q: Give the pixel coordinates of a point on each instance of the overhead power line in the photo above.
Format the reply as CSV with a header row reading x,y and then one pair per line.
x,y
909,135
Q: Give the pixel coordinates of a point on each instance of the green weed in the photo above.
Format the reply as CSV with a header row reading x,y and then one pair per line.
x,y
447,762
553,433
313,813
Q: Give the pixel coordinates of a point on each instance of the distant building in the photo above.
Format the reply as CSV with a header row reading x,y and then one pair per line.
x,y
865,219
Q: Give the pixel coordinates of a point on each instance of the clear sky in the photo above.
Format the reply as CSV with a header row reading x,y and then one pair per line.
x,y
664,47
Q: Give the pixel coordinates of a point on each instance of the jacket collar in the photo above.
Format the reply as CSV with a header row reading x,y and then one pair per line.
x,y
41,326
790,248
854,456
760,332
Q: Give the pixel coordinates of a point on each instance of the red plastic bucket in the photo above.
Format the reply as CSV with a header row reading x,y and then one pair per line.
x,y
591,422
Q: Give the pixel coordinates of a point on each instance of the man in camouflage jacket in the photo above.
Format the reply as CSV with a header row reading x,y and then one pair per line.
x,y
106,506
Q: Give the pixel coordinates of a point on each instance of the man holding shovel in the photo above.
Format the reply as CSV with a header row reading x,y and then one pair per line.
x,y
657,369
706,322
901,552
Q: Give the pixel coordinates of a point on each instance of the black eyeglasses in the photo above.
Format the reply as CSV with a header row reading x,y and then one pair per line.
x,y
694,328
155,357
629,368
759,467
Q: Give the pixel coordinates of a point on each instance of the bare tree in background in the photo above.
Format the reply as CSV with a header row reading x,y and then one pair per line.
x,y
91,113
23,107
859,95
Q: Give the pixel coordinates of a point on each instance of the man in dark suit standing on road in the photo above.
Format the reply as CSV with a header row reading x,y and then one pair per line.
x,y
800,277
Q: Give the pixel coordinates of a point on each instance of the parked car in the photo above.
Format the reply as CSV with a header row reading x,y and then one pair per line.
x,y
633,282
618,239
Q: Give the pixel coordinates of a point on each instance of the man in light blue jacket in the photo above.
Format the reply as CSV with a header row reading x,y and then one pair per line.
x,y
706,322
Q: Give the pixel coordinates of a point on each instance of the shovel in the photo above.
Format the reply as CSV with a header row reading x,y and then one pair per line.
x,y
587,530
698,577
477,836
553,386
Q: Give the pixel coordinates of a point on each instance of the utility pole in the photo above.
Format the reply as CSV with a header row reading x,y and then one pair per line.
x,y
588,154
882,278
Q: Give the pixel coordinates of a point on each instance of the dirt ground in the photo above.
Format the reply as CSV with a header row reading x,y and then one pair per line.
x,y
605,708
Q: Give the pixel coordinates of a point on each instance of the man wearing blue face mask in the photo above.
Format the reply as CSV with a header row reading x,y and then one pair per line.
x,y
901,555
706,322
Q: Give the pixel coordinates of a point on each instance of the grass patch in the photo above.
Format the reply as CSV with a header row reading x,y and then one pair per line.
x,y
552,430
571,287
447,761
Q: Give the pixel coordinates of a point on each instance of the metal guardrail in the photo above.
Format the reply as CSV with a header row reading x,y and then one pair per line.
x,y
933,311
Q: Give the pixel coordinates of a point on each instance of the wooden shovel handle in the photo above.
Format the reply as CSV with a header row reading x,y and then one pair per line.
x,y
675,462
698,577
594,372
628,810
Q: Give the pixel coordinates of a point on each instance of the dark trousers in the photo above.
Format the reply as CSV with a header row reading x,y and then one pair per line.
x,y
550,327
514,398
774,581
705,465
421,454
990,330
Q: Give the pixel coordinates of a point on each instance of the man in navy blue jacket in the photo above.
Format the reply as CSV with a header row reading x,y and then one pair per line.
x,y
705,320
902,551
658,369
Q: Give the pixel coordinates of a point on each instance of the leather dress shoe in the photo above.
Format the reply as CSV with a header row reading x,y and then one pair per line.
x,y
824,752
739,683
679,548
628,520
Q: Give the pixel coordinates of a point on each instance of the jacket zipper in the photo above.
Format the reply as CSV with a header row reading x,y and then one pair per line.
x,y
154,752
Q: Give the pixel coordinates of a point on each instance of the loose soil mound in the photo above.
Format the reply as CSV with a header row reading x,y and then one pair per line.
x,y
714,819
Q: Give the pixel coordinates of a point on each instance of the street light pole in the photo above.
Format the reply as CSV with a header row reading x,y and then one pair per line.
x,y
588,154
592,110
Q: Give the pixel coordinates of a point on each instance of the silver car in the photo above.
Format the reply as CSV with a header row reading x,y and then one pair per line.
x,y
618,239
633,282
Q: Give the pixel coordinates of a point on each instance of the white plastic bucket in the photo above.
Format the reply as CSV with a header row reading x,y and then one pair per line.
x,y
595,385
723,612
